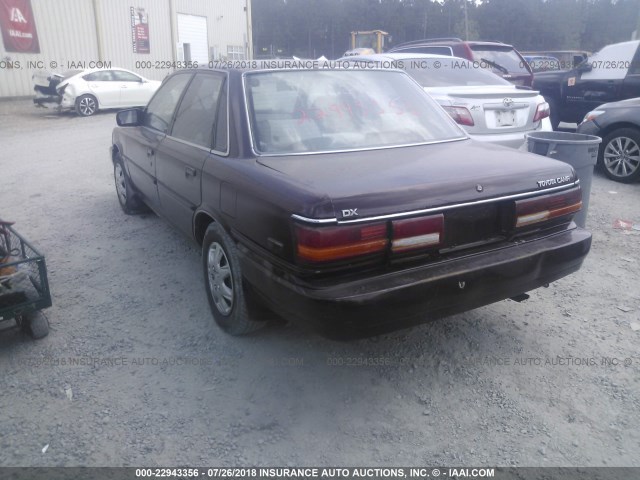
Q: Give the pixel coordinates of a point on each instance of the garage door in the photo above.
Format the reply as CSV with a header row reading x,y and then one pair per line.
x,y
192,38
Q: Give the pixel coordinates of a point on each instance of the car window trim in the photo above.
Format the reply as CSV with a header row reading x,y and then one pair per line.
x,y
366,149
210,149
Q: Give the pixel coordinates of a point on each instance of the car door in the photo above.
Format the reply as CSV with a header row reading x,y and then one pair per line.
x,y
140,148
133,89
600,79
183,152
102,85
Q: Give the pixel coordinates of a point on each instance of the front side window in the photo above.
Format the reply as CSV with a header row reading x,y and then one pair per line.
x,y
161,107
319,111
195,120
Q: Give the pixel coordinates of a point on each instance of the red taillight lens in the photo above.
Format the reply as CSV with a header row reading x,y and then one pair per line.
x,y
325,244
417,233
547,207
461,115
543,111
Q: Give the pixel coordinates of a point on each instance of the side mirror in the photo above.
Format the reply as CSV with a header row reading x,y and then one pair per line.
x,y
132,117
585,67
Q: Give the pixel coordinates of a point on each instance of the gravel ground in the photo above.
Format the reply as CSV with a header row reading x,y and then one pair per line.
x,y
135,372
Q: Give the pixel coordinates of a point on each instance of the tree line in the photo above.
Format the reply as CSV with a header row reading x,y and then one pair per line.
x,y
310,28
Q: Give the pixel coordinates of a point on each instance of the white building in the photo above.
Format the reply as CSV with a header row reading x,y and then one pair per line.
x,y
145,36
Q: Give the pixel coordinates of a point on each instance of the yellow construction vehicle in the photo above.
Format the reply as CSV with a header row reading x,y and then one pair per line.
x,y
371,41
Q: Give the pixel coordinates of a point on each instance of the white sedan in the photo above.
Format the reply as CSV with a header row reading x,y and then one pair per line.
x,y
487,106
88,91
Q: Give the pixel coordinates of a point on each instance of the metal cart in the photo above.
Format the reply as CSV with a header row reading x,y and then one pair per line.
x,y
24,287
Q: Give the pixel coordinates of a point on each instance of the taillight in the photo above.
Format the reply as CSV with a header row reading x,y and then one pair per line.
x,y
417,233
543,111
461,115
325,244
547,207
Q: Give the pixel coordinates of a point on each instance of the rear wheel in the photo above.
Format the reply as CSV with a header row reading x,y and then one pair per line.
x,y
619,155
86,105
231,308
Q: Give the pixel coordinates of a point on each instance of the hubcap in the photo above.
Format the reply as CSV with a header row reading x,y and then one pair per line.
x,y
121,185
622,157
87,106
220,278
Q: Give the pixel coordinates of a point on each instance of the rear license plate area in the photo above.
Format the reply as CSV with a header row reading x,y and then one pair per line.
x,y
506,118
472,224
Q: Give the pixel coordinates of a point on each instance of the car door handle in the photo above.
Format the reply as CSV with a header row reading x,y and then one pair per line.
x,y
149,152
189,172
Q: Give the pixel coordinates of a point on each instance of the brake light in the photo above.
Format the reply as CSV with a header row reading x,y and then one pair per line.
x,y
547,207
543,111
325,244
461,115
417,233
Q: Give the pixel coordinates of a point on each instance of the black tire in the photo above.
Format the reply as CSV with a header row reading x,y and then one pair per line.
x,y
234,312
554,114
86,105
35,324
619,155
127,196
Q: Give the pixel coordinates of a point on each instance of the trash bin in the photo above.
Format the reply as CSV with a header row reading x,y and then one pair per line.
x,y
578,150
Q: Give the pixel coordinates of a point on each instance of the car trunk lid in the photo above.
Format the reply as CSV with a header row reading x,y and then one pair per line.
x,y
494,109
396,181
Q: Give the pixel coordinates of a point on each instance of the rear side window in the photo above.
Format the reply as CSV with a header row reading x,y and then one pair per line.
x,y
196,117
504,59
161,107
103,76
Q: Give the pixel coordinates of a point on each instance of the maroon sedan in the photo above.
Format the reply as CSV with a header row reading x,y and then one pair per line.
x,y
346,200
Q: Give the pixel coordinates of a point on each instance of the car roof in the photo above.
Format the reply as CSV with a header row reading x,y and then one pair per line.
x,y
444,41
92,70
539,57
399,56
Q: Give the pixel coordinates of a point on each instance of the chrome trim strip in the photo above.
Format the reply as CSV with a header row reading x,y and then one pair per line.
x,y
434,209
366,149
295,216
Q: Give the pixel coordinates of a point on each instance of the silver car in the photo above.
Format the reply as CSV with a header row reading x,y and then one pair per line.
x,y
488,107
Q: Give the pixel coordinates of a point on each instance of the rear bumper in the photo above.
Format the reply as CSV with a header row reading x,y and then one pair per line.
x,y
513,140
374,305
41,99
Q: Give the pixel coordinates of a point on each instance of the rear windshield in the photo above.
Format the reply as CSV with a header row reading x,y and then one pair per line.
x,y
431,72
308,111
503,59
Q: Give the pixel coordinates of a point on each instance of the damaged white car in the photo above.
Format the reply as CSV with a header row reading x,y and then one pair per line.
x,y
88,91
